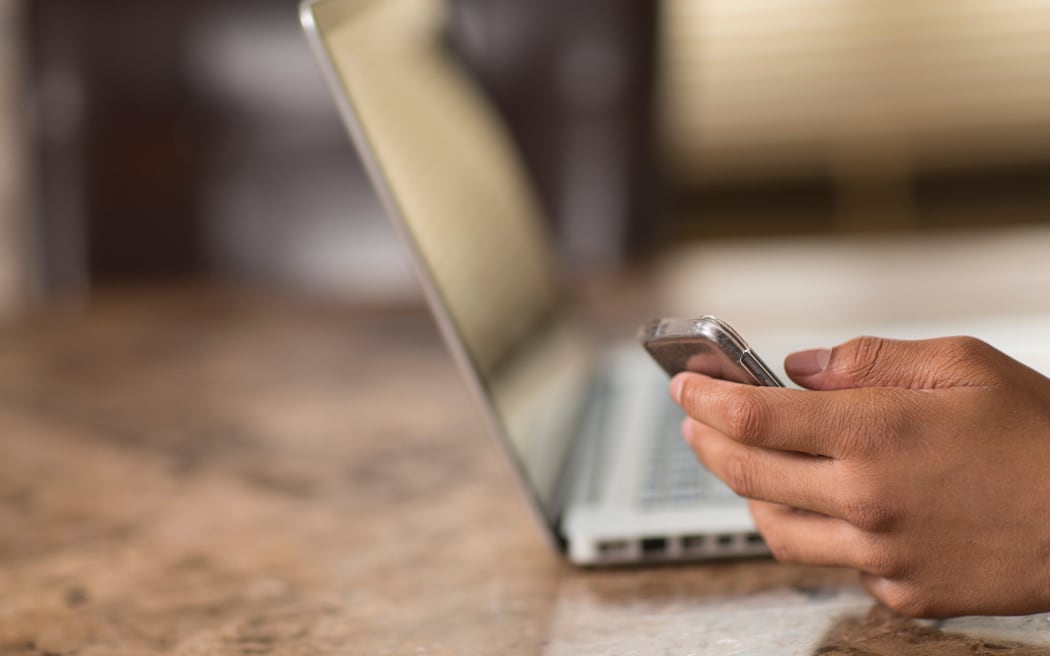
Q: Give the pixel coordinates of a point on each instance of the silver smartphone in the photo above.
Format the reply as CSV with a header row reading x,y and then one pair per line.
x,y
708,346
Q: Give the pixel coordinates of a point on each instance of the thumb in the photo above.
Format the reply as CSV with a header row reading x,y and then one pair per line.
x,y
877,362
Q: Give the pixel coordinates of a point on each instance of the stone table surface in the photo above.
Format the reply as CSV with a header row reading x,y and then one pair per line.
x,y
217,472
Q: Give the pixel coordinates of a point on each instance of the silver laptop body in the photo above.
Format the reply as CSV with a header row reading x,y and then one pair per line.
x,y
591,434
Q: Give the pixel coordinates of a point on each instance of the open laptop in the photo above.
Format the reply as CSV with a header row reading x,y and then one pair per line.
x,y
591,433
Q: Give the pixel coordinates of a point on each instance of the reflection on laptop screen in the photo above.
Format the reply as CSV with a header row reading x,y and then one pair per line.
x,y
454,182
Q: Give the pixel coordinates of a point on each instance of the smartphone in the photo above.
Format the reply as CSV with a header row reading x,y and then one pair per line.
x,y
708,346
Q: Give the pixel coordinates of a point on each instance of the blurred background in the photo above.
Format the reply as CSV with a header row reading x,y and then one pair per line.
x,y
162,140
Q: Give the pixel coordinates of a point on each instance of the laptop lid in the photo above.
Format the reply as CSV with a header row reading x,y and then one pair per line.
x,y
452,184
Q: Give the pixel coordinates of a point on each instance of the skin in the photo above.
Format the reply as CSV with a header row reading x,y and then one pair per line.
x,y
924,465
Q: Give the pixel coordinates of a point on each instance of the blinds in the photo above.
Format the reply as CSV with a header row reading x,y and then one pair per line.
x,y
759,88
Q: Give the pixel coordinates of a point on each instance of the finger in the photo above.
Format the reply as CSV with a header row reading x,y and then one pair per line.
x,y
817,423
920,597
782,477
911,600
877,362
795,536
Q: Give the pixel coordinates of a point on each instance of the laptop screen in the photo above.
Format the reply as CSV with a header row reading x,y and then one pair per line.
x,y
453,184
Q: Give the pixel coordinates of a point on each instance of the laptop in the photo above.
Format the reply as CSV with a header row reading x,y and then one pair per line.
x,y
589,429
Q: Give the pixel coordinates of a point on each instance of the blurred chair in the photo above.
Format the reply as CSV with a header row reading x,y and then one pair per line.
x,y
119,140
196,138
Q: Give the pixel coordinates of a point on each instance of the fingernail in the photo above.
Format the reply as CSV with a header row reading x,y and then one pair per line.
x,y
807,363
677,383
686,432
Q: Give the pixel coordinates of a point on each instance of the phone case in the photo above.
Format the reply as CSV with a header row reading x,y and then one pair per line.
x,y
708,346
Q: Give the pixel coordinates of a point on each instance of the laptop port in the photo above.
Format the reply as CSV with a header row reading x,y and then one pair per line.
x,y
693,542
653,547
755,540
614,548
725,540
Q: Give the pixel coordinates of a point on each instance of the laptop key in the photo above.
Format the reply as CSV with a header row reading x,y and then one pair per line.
x,y
674,478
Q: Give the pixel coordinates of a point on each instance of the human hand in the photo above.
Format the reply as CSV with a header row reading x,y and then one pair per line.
x,y
924,465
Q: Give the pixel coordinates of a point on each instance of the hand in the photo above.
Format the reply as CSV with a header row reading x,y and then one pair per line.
x,y
924,465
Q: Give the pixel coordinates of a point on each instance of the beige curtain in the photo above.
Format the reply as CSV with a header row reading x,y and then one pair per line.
x,y
15,259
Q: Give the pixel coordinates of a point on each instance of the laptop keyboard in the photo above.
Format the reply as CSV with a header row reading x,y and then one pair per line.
x,y
673,478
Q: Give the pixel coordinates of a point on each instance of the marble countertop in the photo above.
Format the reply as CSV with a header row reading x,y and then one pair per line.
x,y
208,472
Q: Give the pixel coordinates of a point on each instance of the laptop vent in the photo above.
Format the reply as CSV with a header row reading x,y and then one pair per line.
x,y
684,547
